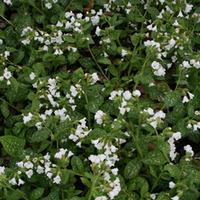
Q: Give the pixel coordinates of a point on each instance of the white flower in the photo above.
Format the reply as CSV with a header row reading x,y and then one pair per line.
x,y
29,173
175,198
153,196
136,93
27,118
48,5
98,30
40,170
177,135
188,8
150,111
101,198
124,52
57,179
59,24
97,159
154,124
127,95
20,164
2,170
185,99
28,165
20,182
180,14
160,72
191,95
58,52
13,181
32,76
26,41
99,117
160,114
186,64
79,15
7,74
73,91
60,154
8,2
189,150
49,174
95,78
95,20
171,184
159,69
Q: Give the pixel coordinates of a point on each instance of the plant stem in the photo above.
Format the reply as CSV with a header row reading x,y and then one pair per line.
x,y
15,108
9,22
93,57
92,187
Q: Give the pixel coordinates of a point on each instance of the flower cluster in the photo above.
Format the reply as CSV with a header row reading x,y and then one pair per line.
x,y
176,136
80,133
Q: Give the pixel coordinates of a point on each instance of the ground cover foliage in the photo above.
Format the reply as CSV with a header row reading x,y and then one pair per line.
x,y
99,99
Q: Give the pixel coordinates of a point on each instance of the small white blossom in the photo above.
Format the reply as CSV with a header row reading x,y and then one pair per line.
x,y
99,117
13,181
97,31
27,118
8,2
29,173
136,93
20,182
124,53
48,5
171,184
101,198
189,150
32,76
95,78
127,95
57,179
2,170
175,198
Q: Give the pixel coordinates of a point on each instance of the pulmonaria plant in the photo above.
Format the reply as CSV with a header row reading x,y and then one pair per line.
x,y
99,100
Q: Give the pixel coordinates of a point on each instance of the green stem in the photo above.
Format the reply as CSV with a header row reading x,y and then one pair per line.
x,y
15,108
135,137
92,187
9,22
142,71
100,69
88,112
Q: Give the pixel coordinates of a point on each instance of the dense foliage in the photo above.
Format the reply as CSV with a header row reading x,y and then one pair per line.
x,y
99,99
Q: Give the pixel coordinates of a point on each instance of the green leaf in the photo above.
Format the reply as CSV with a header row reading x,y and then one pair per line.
x,y
172,98
43,145
132,169
113,70
77,164
19,56
37,193
2,8
4,109
104,60
86,182
155,158
40,135
136,38
95,99
78,74
12,145
163,196
73,57
15,195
